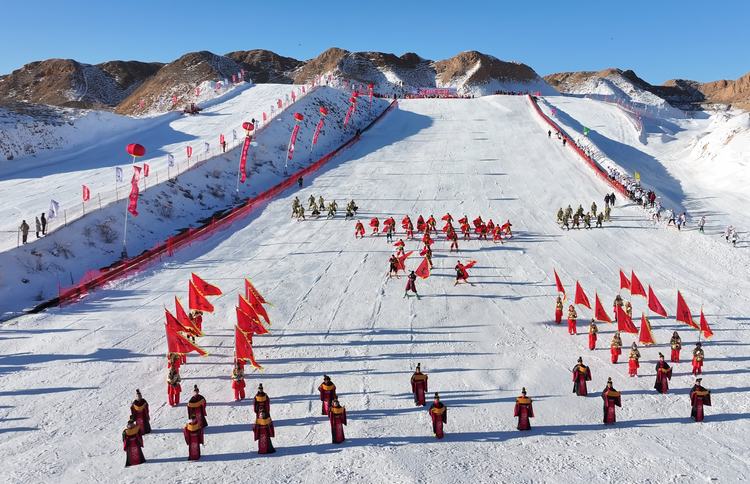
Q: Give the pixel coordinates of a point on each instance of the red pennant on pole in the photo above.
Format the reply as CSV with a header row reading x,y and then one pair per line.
x,y
654,304
317,132
183,319
86,193
646,337
173,323
244,348
257,307
599,313
624,282
264,116
250,289
402,260
624,322
423,270
581,296
636,288
205,288
146,169
249,323
293,140
221,139
189,151
683,312
174,98
133,198
559,285
243,159
705,329
141,103
176,343
198,301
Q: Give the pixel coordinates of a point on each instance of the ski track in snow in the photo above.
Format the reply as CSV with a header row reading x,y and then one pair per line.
x,y
68,375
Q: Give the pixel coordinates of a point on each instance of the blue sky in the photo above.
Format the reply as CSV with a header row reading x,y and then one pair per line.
x,y
658,39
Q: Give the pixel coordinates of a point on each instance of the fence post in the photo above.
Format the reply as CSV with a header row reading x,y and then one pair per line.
x,y
83,206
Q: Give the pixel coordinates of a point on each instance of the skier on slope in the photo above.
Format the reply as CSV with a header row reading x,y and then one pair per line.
x,y
728,232
680,221
733,237
702,224
560,214
670,217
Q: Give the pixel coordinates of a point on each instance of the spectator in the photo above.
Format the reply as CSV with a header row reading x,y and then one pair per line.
x,y
38,227
44,225
24,228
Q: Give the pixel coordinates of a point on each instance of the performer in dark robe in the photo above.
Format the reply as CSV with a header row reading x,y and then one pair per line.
x,y
523,411
419,386
327,394
139,412
337,417
197,407
132,444
663,375
439,415
193,432
699,398
581,374
261,403
263,430
611,399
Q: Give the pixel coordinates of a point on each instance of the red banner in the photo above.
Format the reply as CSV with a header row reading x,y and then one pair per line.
x,y
294,140
683,312
654,304
348,113
293,97
705,329
317,132
559,285
624,282
145,170
423,270
264,116
636,288
197,91
205,288
189,151
133,205
279,102
86,193
646,337
250,289
599,313
221,139
581,296
177,343
174,99
243,159
198,301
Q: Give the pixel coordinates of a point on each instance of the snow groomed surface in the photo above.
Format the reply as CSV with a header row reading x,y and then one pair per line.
x,y
71,374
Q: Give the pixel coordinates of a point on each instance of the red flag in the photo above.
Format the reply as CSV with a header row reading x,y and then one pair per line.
x,y
141,103
86,193
133,198
244,348
198,91
624,282
581,296
624,322
646,337
258,307
189,151
177,343
243,159
683,312
249,288
198,301
250,307
560,287
174,98
183,319
221,139
145,170
293,140
173,323
636,288
279,102
348,113
470,264
317,132
234,78
264,116
402,260
205,288
249,323
423,270
705,329
654,304
599,313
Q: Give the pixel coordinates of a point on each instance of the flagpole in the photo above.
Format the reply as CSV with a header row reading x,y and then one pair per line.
x,y
124,254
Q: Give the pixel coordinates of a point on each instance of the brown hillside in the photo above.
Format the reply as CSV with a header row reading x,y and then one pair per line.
x,y
490,68
325,62
265,66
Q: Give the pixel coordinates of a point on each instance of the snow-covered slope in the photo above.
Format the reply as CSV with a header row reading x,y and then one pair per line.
x,y
69,375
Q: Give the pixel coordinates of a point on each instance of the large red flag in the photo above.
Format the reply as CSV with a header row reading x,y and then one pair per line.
x,y
654,304
258,307
599,313
683,312
581,296
243,159
423,270
198,301
249,288
244,348
560,287
205,288
179,344
705,329
646,337
402,260
250,323
249,309
185,322
624,322
173,323
624,282
636,288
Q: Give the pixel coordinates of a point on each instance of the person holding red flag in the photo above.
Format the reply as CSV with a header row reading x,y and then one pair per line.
x,y
393,266
616,347
490,226
478,221
439,416
466,230
359,230
409,230
263,430
593,330
399,247
132,444
419,386
261,402
193,432
431,222
454,241
612,399
572,315
676,344
196,407
462,274
374,223
411,284
558,310
139,413
173,387
699,397
337,417
447,217
617,303
523,411
663,375
238,382
497,234
581,374
420,224
633,358
698,359
327,394
506,228
482,231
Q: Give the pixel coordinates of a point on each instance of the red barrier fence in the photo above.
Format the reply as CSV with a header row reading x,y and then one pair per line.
x,y
599,171
98,278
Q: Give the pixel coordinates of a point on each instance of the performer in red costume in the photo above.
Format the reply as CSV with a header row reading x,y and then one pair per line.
x,y
581,374
698,359
139,413
261,402
447,217
454,241
238,382
482,231
337,417
523,411
419,386
558,310
699,398
633,358
173,387
197,407
611,399
478,221
327,394
466,230
359,230
420,224
490,226
263,430
193,432
431,222
506,227
174,360
497,234
374,223
593,330
663,375
409,230
439,415
132,444
676,344
616,346
462,274
399,247
572,315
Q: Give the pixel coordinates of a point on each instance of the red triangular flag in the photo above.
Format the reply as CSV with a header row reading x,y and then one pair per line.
x,y
205,288
624,322
198,301
683,312
560,287
705,329
624,282
249,323
470,264
258,307
636,288
402,260
185,322
599,313
243,348
581,296
173,323
646,337
179,344
423,270
249,288
654,304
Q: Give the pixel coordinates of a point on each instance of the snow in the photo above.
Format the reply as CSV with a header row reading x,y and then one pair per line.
x,y
68,375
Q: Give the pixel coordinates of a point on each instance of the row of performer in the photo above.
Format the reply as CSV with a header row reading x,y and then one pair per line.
x,y
429,227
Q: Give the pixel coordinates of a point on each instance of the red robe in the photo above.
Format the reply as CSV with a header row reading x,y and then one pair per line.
x,y
337,416
663,375
139,412
581,374
419,388
699,397
239,388
592,341
261,403
697,367
327,395
633,366
197,409
524,412
132,443
558,314
420,224
193,438
439,415
616,352
572,329
263,430
611,400
174,393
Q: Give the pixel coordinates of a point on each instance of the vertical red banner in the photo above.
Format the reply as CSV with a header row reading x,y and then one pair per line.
x,y
243,159
294,140
133,204
86,193
189,151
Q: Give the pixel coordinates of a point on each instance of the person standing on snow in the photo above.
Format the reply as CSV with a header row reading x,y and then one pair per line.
x,y
393,266
38,227
701,225
670,218
411,284
615,347
633,358
44,225
24,228
593,330
680,221
734,238
572,315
